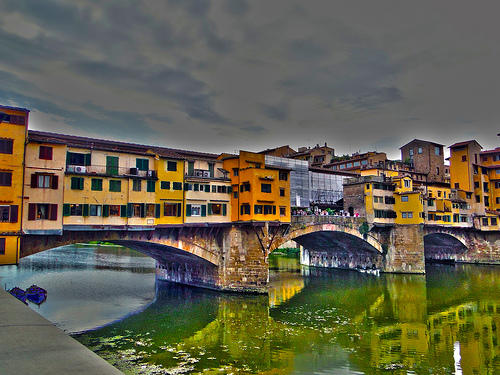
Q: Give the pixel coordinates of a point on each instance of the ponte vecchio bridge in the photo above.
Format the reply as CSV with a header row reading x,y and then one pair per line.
x,y
234,256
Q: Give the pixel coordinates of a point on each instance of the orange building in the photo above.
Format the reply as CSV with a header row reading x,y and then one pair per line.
x,y
259,192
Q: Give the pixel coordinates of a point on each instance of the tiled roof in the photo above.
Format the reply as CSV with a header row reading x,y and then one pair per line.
x,y
459,144
420,141
14,108
494,151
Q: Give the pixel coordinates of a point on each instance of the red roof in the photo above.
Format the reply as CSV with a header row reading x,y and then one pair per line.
x,y
494,151
465,143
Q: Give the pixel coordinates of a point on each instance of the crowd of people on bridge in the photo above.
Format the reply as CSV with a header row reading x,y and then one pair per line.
x,y
319,212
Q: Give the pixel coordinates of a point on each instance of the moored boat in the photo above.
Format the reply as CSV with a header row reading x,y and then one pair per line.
x,y
19,294
36,294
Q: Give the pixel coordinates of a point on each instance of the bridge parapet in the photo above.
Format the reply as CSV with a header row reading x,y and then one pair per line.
x,y
327,219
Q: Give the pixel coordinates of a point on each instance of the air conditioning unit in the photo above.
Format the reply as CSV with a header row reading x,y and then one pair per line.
x,y
151,173
206,173
134,171
80,169
198,173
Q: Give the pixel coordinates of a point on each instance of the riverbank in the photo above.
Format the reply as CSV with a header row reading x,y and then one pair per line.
x,y
33,345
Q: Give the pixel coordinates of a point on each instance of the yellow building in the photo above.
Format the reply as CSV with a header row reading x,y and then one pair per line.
x,y
13,133
408,202
170,189
207,189
43,186
260,192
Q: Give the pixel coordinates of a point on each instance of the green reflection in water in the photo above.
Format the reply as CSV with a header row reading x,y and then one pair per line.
x,y
317,321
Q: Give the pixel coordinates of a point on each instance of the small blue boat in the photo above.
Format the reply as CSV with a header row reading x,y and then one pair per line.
x,y
36,294
18,293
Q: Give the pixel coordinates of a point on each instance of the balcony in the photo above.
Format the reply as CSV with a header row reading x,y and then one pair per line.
x,y
102,170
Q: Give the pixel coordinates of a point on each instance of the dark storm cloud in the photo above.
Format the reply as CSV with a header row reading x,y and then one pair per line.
x,y
236,7
222,75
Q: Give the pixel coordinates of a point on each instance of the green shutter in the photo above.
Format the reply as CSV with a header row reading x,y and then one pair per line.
x,y
203,210
274,210
188,210
207,188
157,210
123,211
87,159
210,208
67,157
151,186
66,209
179,209
143,209
85,210
112,165
214,189
211,169
224,209
105,210
190,168
142,164
129,209
81,183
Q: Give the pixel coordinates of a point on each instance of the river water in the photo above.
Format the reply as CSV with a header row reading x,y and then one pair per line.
x,y
312,322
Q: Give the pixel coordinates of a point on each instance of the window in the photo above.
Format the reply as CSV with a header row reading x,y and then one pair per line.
x,y
282,211
177,185
485,187
283,176
236,172
439,193
150,210
269,210
114,210
403,215
464,157
245,209
282,192
137,185
76,209
112,163
245,187
172,209
404,198
6,146
485,221
165,185
9,213
196,187
257,209
235,194
211,169
151,186
96,184
195,210
377,199
265,188
356,164
407,183
190,168
407,215
171,166
43,181
437,170
411,152
494,221
188,186
478,199
142,164
367,186
364,162
457,185
497,171
45,153
476,185
437,150
95,210
215,209
77,183
420,150
115,185
348,165
74,158
2,246
486,200
342,166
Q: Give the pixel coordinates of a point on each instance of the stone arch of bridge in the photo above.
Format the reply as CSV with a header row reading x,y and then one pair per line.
x,y
154,246
347,231
443,245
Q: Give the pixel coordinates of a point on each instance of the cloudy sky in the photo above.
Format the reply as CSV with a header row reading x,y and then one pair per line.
x,y
235,74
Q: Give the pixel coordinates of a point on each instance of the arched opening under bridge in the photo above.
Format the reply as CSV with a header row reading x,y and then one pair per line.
x,y
443,247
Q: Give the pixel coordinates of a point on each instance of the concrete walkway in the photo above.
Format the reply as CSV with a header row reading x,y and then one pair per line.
x,y
30,344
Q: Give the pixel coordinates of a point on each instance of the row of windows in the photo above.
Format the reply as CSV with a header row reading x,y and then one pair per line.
x,y
42,211
77,183
259,209
206,188
437,151
492,221
350,165
105,210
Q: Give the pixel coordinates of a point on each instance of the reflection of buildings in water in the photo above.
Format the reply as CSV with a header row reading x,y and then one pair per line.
x,y
473,325
284,288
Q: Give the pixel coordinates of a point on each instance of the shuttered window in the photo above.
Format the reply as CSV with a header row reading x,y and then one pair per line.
x,y
6,146
9,214
177,185
97,184
115,185
5,178
165,185
136,185
142,164
2,246
77,183
45,153
171,166
151,185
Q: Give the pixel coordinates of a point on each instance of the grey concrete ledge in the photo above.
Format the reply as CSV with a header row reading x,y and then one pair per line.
x,y
30,344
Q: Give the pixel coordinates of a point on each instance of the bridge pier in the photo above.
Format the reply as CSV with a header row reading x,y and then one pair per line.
x,y
404,246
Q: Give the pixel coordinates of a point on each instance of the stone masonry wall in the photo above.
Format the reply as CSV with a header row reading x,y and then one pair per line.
x,y
405,249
